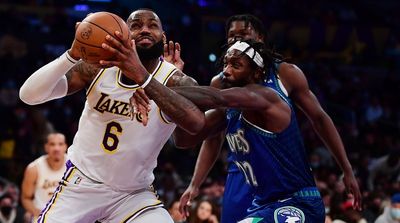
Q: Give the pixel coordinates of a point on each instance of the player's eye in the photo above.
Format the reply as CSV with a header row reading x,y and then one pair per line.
x,y
135,26
153,25
236,65
224,62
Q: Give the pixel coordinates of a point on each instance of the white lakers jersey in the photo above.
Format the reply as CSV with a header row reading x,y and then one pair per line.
x,y
46,182
109,146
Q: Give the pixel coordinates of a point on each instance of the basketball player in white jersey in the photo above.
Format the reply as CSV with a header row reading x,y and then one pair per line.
x,y
43,175
111,160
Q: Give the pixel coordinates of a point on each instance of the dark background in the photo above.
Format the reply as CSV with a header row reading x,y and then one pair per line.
x,y
349,51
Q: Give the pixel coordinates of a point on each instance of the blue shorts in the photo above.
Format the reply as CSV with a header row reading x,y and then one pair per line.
x,y
305,206
237,198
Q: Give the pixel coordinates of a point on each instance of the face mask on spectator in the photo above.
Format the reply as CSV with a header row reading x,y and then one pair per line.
x,y
6,210
327,210
395,213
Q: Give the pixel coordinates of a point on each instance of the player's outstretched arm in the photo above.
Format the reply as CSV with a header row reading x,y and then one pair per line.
x,y
322,124
62,76
250,97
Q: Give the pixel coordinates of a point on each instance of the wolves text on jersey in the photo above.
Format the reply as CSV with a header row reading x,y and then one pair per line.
x,y
237,142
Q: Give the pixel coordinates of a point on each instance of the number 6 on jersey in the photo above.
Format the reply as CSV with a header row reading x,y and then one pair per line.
x,y
110,139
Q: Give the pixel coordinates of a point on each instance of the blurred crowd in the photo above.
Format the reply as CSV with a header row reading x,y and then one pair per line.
x,y
349,52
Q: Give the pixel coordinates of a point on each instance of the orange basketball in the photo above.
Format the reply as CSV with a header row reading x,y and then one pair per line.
x,y
92,31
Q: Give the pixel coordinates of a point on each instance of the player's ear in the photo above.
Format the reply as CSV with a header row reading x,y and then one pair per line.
x,y
259,73
164,38
46,147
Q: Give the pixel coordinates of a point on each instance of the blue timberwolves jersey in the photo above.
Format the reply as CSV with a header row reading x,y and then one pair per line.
x,y
274,164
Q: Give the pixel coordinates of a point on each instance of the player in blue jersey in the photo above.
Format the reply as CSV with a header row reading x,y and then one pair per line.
x,y
291,82
262,133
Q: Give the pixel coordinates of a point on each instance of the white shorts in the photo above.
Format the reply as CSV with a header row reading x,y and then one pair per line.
x,y
82,200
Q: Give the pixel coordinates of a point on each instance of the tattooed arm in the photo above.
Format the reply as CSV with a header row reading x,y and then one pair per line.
x,y
173,105
179,109
250,97
80,76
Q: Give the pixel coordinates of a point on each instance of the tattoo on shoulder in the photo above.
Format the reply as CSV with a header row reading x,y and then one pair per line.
x,y
87,71
181,79
82,71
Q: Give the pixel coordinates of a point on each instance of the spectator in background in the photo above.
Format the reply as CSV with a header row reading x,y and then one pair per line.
x,y
8,211
391,213
386,168
173,210
205,212
43,175
326,198
373,205
350,216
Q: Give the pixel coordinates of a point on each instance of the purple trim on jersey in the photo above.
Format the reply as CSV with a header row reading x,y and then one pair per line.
x,y
70,167
69,164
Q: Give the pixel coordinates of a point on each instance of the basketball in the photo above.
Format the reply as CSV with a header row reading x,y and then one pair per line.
x,y
92,32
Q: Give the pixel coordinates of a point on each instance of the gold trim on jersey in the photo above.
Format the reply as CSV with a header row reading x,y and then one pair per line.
x,y
158,69
141,210
136,86
95,81
169,75
160,113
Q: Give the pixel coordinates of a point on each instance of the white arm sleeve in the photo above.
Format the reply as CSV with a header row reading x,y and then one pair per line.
x,y
47,83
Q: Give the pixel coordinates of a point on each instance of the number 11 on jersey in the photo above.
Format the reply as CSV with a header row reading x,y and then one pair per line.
x,y
247,170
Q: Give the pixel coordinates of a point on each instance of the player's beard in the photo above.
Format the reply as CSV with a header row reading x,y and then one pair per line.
x,y
226,83
152,52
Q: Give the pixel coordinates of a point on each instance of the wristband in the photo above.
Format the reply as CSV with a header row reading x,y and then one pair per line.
x,y
146,82
71,59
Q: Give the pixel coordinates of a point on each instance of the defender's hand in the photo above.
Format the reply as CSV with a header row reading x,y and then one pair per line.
x,y
140,104
172,54
186,200
352,188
